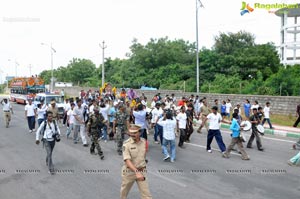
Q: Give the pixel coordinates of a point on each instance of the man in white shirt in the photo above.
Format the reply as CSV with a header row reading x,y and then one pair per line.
x,y
255,105
169,124
48,129
215,120
267,115
79,123
62,94
157,112
7,110
181,126
91,109
228,108
140,119
144,101
70,120
30,113
67,107
104,107
41,112
197,105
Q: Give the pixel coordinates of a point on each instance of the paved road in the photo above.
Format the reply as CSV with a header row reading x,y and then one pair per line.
x,y
196,173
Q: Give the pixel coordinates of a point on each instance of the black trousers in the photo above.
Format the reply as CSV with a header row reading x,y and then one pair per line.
x,y
297,121
143,133
182,136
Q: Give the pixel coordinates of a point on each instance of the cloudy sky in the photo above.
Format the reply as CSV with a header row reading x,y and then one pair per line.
x,y
75,28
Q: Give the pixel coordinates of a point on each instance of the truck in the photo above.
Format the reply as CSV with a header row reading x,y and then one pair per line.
x,y
23,88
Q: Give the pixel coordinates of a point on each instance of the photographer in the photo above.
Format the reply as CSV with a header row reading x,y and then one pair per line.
x,y
50,133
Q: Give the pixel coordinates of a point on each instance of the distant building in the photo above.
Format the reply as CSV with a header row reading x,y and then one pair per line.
x,y
290,37
8,78
63,84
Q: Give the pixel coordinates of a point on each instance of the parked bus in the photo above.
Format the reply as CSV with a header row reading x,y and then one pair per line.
x,y
22,88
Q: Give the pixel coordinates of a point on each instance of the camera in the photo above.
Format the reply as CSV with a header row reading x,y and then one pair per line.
x,y
56,137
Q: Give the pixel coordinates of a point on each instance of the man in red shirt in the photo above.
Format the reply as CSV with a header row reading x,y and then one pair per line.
x,y
181,102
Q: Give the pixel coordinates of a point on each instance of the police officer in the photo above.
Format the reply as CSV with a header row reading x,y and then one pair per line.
x,y
134,168
7,110
94,125
122,122
54,109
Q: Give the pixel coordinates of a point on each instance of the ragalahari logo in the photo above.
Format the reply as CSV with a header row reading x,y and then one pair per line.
x,y
246,8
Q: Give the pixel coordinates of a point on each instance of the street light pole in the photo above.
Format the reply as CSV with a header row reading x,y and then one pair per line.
x,y
52,50
52,80
16,66
197,42
103,71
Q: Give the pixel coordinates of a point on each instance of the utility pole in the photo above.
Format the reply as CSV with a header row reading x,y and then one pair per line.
x,y
197,42
103,71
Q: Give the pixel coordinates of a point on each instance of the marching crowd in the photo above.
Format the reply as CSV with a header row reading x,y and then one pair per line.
x,y
105,116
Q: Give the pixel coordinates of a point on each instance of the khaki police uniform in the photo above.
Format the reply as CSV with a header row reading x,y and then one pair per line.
x,y
136,152
7,113
54,111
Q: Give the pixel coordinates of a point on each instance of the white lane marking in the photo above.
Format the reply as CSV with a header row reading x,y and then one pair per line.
x,y
268,138
214,149
168,179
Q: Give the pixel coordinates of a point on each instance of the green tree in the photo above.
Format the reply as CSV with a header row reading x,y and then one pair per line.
x,y
81,70
286,81
229,43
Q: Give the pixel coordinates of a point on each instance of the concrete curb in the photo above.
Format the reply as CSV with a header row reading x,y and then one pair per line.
x,y
272,132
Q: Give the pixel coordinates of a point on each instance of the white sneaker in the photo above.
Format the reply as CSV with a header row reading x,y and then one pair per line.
x,y
209,151
33,130
30,131
167,157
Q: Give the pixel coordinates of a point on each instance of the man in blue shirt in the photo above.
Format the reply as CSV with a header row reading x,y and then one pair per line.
x,y
235,128
111,118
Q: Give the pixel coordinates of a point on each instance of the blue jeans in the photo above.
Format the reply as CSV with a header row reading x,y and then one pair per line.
x,y
296,159
269,122
70,128
217,134
158,131
165,143
40,121
31,122
104,132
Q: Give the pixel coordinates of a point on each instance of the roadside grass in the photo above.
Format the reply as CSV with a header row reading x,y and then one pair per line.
x,y
284,120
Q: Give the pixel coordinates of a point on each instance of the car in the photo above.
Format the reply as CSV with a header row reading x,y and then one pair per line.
x,y
47,98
